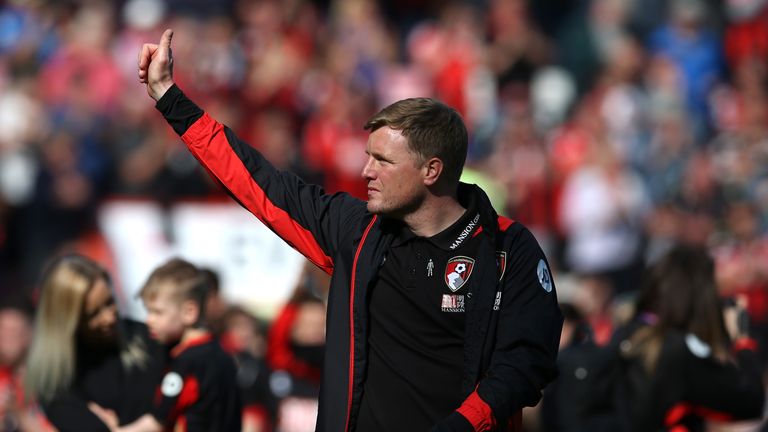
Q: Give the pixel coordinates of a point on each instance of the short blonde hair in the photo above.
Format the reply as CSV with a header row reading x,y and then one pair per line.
x,y
432,128
180,279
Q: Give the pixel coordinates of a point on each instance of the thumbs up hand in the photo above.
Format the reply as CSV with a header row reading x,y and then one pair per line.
x,y
156,66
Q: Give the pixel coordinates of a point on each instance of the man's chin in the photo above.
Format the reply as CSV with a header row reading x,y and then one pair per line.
x,y
379,211
389,212
373,208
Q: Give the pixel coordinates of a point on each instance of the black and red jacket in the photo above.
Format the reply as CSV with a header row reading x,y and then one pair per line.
x,y
199,390
512,321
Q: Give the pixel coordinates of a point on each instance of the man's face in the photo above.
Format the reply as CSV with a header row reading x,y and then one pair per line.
x,y
164,317
394,174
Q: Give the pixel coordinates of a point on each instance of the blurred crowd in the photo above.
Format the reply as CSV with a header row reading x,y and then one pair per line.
x,y
613,129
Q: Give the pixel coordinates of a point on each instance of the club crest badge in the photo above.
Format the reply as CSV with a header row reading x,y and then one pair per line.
x,y
545,277
501,263
457,272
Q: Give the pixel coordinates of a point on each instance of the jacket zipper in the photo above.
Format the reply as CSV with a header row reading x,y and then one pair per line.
x,y
352,323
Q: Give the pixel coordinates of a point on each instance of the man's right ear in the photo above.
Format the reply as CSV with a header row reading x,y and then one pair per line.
x,y
432,169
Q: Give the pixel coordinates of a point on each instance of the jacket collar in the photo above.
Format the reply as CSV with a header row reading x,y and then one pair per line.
x,y
479,216
198,340
471,193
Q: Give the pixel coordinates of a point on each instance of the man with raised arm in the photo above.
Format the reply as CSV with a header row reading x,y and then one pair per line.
x,y
442,315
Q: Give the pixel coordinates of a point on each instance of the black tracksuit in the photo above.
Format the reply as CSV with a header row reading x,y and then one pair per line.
x,y
513,322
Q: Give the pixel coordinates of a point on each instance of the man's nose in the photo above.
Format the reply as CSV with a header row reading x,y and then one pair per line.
x,y
367,170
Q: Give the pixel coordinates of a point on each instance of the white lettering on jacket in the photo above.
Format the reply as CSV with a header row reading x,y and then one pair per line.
x,y
467,231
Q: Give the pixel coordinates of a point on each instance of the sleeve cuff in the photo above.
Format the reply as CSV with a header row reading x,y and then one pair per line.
x,y
477,412
179,111
165,103
745,343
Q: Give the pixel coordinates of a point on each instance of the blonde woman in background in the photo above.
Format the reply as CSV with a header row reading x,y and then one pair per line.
x,y
84,352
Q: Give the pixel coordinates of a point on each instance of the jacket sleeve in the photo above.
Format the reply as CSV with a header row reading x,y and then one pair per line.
x,y
180,388
301,214
524,357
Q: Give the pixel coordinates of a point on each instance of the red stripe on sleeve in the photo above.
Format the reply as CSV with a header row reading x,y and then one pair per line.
x,y
208,143
478,413
676,413
190,393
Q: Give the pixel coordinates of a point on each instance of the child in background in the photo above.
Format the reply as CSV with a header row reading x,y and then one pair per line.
x,y
199,391
244,337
